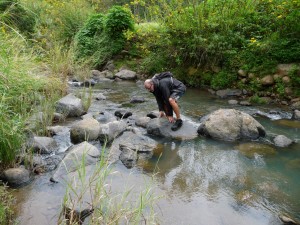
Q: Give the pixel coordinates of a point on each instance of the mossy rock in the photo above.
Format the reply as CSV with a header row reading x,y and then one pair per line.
x,y
249,149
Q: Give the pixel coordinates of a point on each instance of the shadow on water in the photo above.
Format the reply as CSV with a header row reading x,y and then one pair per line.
x,y
203,181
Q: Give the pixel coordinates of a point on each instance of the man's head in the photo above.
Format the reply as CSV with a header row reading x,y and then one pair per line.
x,y
149,85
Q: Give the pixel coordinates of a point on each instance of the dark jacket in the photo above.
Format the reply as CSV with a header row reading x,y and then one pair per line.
x,y
163,89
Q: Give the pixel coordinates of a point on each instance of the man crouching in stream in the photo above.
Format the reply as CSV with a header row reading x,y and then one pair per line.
x,y
167,90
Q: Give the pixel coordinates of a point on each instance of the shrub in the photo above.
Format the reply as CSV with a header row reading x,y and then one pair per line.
x,y
223,80
102,37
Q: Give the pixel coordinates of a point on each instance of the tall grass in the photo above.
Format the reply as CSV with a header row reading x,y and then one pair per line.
x,y
105,207
6,204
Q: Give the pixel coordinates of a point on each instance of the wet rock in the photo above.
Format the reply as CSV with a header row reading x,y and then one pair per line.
x,y
85,130
282,141
153,115
108,132
126,75
58,117
123,114
296,105
100,97
42,145
74,159
161,127
54,130
70,106
233,102
287,220
88,83
128,156
136,99
105,117
230,125
229,93
245,103
131,146
250,149
142,121
296,115
16,177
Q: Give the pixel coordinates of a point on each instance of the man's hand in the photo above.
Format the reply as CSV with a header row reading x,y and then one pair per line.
x,y
161,114
171,119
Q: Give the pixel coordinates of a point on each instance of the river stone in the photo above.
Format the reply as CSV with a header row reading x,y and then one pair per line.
x,y
70,105
245,103
230,125
284,69
296,105
288,220
85,130
233,102
267,80
75,157
282,141
105,117
126,75
137,99
131,146
142,121
43,145
229,93
108,132
249,149
161,127
54,130
296,115
16,177
57,117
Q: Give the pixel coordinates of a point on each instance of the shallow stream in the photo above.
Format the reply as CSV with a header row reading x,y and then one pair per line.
x,y
201,181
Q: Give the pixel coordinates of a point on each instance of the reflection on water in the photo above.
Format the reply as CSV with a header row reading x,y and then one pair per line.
x,y
205,181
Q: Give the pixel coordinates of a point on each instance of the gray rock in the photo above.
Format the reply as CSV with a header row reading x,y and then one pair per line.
x,y
74,159
100,96
70,106
230,125
16,177
136,99
130,146
282,141
233,102
267,80
42,145
229,93
126,75
85,130
58,117
287,220
161,127
296,115
142,121
245,103
108,132
296,105
54,130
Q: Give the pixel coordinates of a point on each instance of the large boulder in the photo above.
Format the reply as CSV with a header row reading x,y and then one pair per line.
x,y
108,132
126,75
77,156
85,130
161,127
130,147
230,125
70,105
16,177
43,145
282,141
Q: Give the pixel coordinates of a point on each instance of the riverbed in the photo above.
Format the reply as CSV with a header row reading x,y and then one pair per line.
x,y
199,181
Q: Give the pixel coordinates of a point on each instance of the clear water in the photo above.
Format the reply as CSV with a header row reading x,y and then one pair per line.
x,y
202,181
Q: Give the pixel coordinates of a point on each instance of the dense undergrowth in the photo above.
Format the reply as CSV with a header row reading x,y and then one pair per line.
x,y
44,42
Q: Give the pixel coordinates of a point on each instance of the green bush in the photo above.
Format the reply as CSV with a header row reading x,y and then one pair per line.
x,y
102,36
223,80
13,14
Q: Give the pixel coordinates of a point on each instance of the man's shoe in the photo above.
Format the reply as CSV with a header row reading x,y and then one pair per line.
x,y
176,125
